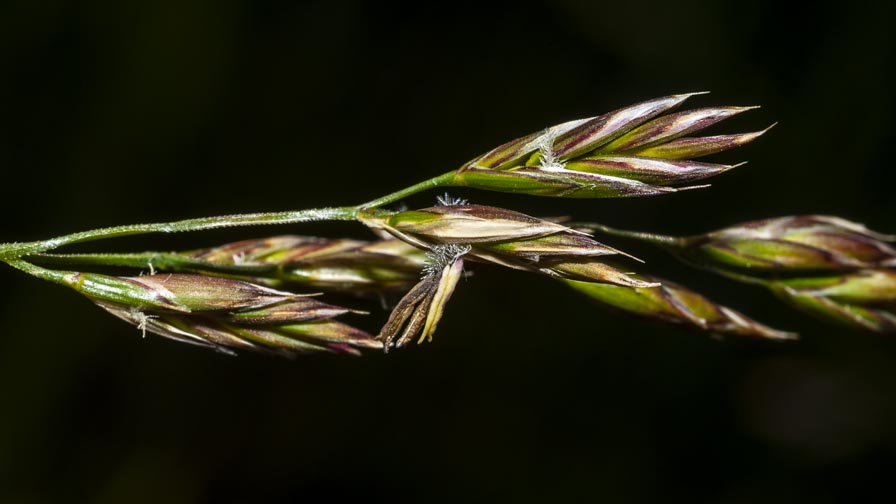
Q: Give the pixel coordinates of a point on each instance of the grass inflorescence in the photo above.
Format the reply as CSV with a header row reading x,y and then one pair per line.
x,y
273,295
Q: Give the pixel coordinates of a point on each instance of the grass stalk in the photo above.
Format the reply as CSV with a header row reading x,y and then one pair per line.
x,y
156,260
10,251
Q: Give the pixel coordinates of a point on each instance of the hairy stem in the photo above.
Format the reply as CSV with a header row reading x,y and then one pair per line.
x,y
13,250
161,260
444,180
58,277
9,251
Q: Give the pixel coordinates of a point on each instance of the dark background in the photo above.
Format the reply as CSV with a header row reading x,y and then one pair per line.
x,y
122,112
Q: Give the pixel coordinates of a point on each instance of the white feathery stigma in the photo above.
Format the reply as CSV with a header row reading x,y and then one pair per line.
x,y
442,256
449,200
547,159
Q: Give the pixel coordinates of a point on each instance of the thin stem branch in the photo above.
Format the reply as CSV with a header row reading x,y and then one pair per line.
x,y
444,180
58,277
160,260
9,251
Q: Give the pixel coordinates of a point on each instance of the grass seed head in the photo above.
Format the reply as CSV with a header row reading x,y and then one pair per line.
x,y
224,314
672,303
420,310
507,238
467,224
792,245
864,299
640,150
347,266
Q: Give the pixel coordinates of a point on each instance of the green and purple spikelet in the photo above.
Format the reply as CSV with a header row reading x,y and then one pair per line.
x,y
672,303
507,238
641,150
223,314
830,267
790,245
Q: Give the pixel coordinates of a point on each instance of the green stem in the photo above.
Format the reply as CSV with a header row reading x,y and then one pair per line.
x,y
58,277
161,260
13,250
9,251
444,180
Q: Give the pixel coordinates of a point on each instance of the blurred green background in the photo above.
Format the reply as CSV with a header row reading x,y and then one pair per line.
x,y
122,112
